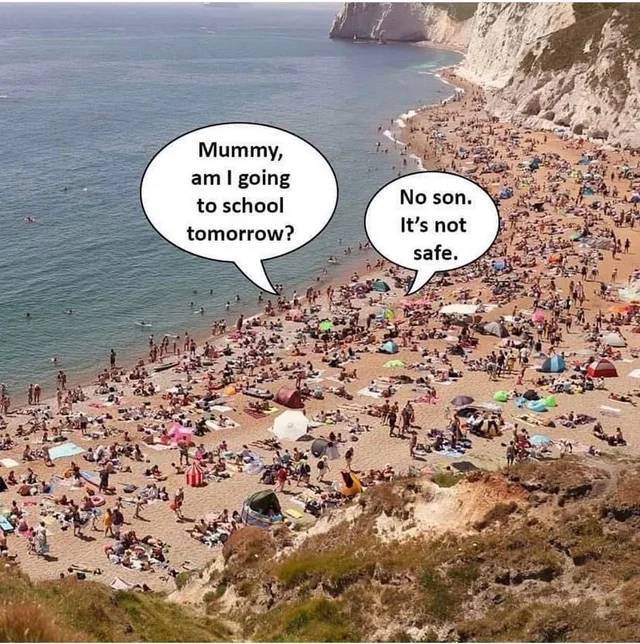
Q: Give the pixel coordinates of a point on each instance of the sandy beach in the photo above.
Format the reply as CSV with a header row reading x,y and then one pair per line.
x,y
526,283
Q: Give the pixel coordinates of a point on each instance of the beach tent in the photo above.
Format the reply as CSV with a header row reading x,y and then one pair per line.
x,y
289,398
350,484
550,401
389,347
462,401
536,405
496,328
261,509
602,368
501,396
290,425
325,325
386,314
530,394
380,286
613,340
319,447
553,364
179,434
499,264
194,475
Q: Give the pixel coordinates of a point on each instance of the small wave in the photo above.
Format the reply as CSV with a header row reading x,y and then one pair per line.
x,y
390,136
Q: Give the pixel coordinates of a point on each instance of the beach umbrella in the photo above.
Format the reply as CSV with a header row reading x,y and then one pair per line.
x,y
635,197
194,475
613,340
553,364
501,396
393,364
538,316
290,425
461,401
388,314
499,264
325,325
230,390
602,368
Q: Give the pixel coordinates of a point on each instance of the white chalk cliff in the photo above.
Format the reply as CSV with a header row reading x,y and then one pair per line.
x,y
554,64
446,24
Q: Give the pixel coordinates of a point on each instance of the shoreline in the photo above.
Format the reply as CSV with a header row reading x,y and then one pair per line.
x,y
86,377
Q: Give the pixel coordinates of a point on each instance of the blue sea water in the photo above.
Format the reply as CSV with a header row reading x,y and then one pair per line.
x,y
88,93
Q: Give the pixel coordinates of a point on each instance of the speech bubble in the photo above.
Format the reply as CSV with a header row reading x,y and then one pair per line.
x,y
241,193
430,222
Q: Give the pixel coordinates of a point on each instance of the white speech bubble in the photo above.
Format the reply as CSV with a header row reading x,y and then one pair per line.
x,y
430,222
239,192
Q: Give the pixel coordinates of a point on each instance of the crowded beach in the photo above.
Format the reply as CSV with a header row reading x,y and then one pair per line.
x,y
531,352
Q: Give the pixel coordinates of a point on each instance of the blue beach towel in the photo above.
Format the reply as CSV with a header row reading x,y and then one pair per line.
x,y
64,450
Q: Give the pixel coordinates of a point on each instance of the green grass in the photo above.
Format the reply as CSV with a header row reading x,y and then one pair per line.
x,y
337,566
69,609
313,620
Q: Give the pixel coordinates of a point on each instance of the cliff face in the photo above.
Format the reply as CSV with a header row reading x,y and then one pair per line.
x,y
568,65
553,64
447,25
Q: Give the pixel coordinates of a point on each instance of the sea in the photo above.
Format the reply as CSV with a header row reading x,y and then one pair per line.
x,y
88,94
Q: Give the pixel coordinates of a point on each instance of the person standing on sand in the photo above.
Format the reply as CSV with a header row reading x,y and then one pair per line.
x,y
413,444
176,504
108,523
323,468
391,418
281,478
511,454
348,457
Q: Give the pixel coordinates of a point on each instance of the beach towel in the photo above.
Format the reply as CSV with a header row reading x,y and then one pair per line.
x,y
293,513
221,408
9,462
5,524
254,413
64,451
368,392
120,584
